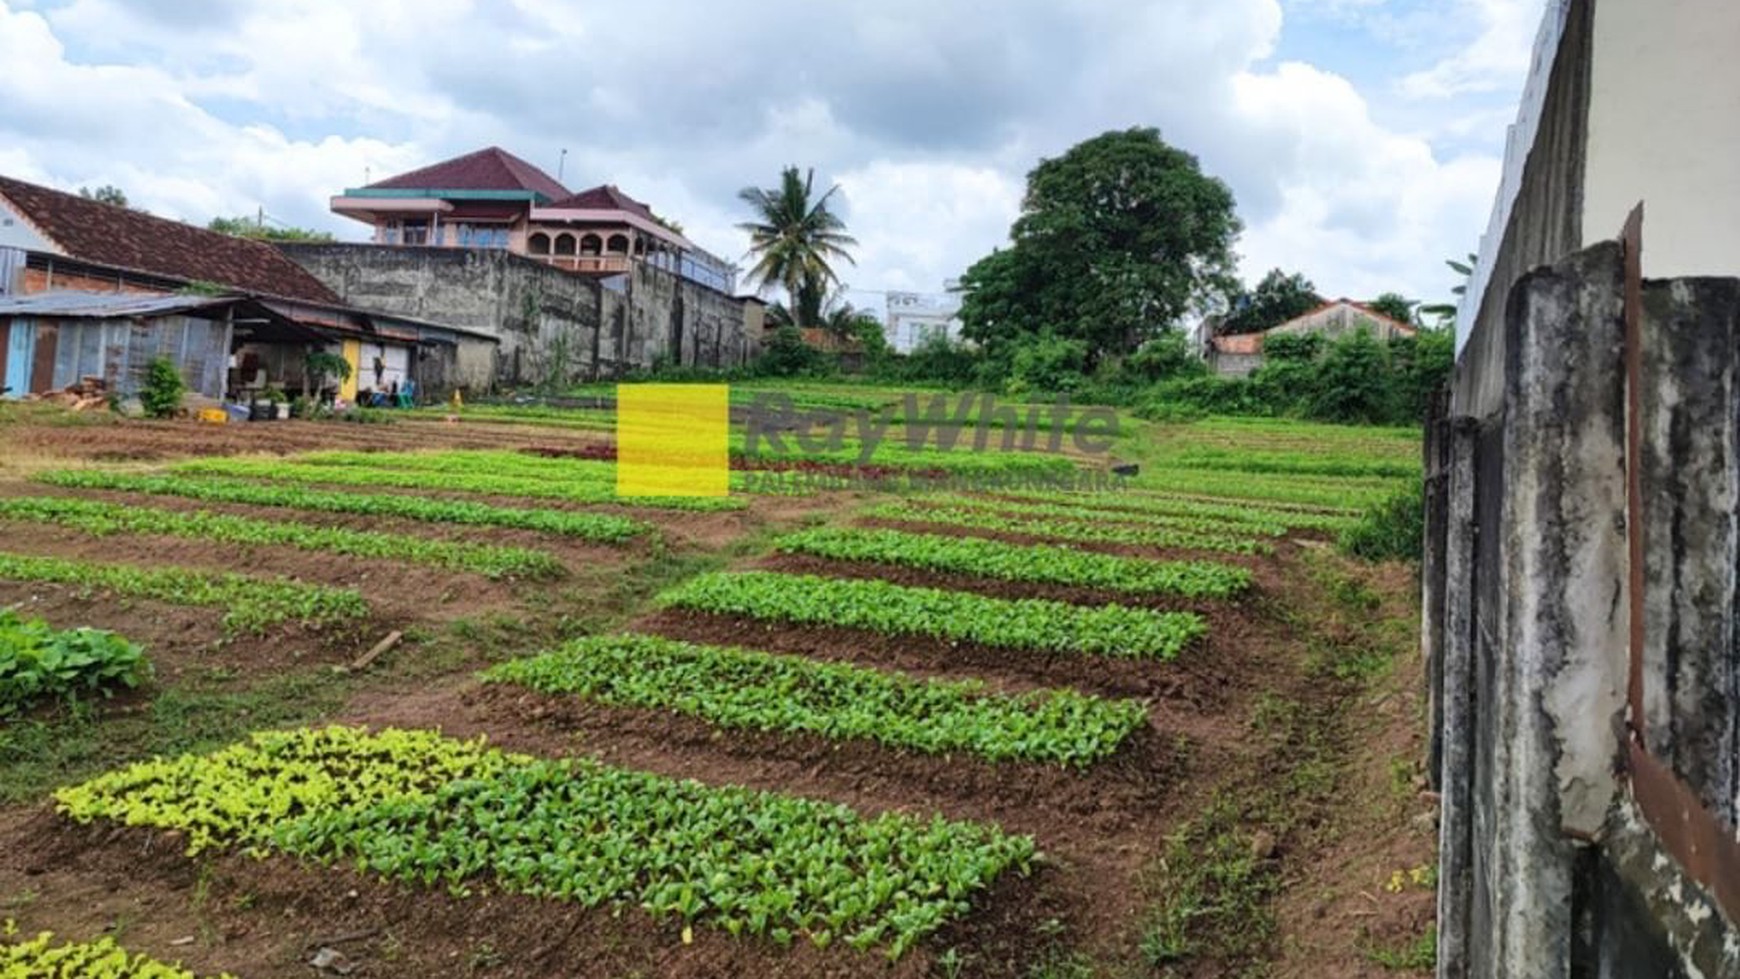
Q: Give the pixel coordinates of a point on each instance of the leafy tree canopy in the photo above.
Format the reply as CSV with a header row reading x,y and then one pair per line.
x,y
795,237
246,227
1117,239
106,194
1275,300
1394,305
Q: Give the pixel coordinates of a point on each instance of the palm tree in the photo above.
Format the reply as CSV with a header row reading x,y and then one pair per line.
x,y
1446,312
794,240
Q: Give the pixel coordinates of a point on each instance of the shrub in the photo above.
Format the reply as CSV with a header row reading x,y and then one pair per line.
x,y
1167,355
163,388
1393,529
937,360
1047,364
36,662
787,354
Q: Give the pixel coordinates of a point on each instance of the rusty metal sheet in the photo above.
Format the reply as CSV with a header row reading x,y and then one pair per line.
x,y
1631,241
1704,847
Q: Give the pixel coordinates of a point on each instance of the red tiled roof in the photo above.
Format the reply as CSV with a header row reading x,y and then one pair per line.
x,y
122,238
1362,307
1239,343
1408,328
604,197
491,168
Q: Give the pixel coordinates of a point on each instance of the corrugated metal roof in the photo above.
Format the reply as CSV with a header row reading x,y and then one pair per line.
x,y
106,305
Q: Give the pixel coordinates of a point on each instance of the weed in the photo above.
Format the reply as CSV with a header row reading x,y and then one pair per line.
x,y
1419,955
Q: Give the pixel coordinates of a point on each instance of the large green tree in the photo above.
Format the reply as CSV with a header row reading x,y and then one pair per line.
x,y
1117,240
795,239
1278,298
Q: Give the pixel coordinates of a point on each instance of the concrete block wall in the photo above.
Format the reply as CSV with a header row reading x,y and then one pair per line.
x,y
1546,867
554,326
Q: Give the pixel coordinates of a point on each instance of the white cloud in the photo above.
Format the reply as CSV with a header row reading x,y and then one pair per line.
x,y
1495,60
1364,210
928,114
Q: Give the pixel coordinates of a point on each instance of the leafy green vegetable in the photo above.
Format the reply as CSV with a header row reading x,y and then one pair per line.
x,y
40,958
1017,562
1187,523
586,526
1074,530
473,478
253,603
1027,623
99,518
37,662
1111,505
739,688
417,807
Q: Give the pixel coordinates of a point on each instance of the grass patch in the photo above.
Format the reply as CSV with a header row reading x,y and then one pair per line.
x,y
1419,955
41,754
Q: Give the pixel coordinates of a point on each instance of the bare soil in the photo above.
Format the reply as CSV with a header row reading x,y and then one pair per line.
x,y
1102,829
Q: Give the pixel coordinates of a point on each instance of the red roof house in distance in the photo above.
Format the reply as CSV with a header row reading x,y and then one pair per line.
x,y
78,243
1238,354
95,289
493,199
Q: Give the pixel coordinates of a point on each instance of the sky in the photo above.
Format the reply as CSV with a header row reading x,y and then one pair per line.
x,y
1362,139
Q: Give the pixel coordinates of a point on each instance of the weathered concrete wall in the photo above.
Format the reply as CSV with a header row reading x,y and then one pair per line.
x,y
1547,218
1692,670
554,326
1545,870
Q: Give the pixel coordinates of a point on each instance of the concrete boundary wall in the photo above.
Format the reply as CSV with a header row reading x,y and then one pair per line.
x,y
1547,868
554,326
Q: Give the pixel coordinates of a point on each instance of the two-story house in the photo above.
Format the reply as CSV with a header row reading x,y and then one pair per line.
x,y
493,199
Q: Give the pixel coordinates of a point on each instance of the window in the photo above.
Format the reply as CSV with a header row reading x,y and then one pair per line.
x,y
414,233
481,236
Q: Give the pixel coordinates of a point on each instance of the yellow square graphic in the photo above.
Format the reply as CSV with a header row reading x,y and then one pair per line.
x,y
673,440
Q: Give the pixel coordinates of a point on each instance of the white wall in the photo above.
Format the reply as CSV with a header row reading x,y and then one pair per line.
x,y
906,331
15,232
1664,128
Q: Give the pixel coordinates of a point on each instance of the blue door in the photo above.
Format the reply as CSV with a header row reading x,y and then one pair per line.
x,y
20,357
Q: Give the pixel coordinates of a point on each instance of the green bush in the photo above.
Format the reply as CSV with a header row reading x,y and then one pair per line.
x,y
937,360
1047,364
37,662
163,388
787,355
1391,530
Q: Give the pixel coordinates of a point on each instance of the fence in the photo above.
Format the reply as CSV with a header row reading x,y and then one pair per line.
x,y
1581,578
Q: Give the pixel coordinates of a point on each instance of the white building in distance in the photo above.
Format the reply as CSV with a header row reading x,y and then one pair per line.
x,y
914,317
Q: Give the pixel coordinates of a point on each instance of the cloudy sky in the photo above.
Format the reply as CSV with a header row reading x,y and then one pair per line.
x,y
1362,138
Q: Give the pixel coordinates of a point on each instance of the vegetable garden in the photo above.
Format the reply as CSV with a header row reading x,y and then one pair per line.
x,y
521,726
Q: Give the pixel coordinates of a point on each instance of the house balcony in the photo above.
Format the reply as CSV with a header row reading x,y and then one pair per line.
x,y
596,264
